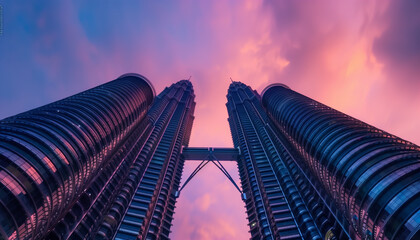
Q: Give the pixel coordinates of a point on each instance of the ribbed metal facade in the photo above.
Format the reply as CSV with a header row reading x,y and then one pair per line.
x,y
311,172
282,203
73,169
106,164
370,179
50,155
150,195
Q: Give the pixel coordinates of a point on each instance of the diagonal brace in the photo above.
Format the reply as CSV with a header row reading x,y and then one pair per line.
x,y
211,158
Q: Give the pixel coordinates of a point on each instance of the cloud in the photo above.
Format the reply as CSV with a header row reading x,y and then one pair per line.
x,y
360,57
398,46
210,207
204,202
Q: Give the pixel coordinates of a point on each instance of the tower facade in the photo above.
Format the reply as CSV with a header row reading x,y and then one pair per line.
x,y
371,178
315,173
150,197
106,164
84,166
275,203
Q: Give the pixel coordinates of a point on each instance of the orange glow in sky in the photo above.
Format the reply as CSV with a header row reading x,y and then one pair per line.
x,y
360,57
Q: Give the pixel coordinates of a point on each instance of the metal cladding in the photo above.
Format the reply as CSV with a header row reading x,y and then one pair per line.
x,y
50,155
372,177
106,164
145,206
281,202
132,197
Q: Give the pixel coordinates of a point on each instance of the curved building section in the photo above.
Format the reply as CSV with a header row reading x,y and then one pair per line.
x,y
276,204
145,206
372,176
50,155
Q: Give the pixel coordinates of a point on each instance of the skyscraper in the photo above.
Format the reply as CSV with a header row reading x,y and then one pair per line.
x,y
315,173
371,178
96,164
276,202
106,164
153,181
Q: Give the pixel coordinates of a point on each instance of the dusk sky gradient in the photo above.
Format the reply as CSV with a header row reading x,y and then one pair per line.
x,y
361,57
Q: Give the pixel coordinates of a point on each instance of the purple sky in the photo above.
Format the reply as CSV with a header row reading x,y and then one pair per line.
x,y
360,57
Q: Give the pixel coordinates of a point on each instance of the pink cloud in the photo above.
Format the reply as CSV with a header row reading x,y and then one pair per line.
x,y
341,53
210,207
322,50
360,57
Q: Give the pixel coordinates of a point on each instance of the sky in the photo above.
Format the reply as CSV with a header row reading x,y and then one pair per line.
x,y
361,57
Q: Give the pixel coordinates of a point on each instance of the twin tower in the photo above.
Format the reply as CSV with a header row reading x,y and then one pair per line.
x,y
107,163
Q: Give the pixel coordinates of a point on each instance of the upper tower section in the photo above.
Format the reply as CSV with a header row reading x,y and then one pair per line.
x,y
373,176
140,77
50,154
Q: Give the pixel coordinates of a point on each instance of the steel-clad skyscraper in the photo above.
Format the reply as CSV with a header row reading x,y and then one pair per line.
x,y
76,167
52,156
150,189
371,178
278,203
315,173
106,164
